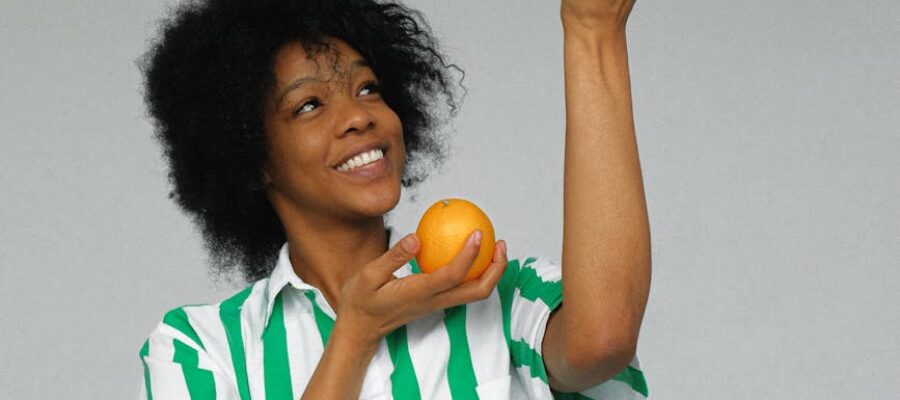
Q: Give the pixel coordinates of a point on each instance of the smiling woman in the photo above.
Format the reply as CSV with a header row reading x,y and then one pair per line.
x,y
290,127
211,72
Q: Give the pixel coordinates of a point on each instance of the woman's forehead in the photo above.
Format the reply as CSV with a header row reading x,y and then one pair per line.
x,y
334,60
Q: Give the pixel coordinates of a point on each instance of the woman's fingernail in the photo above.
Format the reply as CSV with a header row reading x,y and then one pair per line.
x,y
476,238
409,243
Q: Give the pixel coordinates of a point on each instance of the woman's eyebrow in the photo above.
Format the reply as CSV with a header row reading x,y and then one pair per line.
x,y
355,65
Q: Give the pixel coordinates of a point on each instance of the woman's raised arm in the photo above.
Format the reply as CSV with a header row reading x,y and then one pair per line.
x,y
606,235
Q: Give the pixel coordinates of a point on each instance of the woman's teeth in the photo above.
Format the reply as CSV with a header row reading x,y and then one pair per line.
x,y
361,159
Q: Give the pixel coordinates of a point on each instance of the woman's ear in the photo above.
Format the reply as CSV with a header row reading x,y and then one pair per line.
x,y
265,180
264,176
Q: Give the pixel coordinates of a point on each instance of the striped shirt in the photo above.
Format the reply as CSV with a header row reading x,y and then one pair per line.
x,y
266,341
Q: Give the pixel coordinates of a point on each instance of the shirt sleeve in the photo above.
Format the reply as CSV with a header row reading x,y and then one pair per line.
x,y
530,290
176,365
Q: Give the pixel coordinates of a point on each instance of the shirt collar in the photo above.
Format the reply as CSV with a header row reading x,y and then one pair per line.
x,y
284,275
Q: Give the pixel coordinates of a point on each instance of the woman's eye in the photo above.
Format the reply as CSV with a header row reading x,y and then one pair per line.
x,y
307,106
370,88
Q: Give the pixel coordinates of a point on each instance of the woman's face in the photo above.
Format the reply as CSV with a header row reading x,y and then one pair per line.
x,y
322,112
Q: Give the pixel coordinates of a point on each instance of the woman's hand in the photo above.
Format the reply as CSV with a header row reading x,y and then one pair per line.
x,y
604,17
374,302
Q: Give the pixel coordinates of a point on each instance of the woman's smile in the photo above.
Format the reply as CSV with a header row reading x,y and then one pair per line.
x,y
365,166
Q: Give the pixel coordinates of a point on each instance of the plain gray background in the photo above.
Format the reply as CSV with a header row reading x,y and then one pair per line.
x,y
768,138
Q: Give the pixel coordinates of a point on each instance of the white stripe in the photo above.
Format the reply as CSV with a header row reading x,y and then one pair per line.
x,y
166,378
547,270
404,271
253,314
323,304
142,390
226,387
497,388
167,331
429,349
528,320
202,360
169,378
487,344
206,322
377,381
613,389
534,387
635,363
517,391
304,345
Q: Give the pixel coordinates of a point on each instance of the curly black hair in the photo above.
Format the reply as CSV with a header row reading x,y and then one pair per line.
x,y
206,76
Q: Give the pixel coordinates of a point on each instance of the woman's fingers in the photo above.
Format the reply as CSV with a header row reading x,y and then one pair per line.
x,y
453,273
475,290
379,300
418,288
445,284
382,268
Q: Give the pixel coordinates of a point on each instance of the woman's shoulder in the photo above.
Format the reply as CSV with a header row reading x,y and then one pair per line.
x,y
191,323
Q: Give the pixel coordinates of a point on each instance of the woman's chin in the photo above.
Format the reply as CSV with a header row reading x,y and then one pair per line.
x,y
377,204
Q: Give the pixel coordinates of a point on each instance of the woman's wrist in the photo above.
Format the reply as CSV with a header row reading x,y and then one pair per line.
x,y
594,38
343,366
360,339
598,33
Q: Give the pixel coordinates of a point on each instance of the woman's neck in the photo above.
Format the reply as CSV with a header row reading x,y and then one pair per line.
x,y
326,255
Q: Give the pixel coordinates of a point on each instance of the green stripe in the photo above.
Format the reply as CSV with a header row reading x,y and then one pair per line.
x,y
415,266
522,354
145,349
634,378
403,379
230,314
460,372
200,382
532,287
323,321
528,261
178,319
505,289
276,368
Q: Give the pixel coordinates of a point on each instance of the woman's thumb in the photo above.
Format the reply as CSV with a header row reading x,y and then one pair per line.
x,y
397,256
410,244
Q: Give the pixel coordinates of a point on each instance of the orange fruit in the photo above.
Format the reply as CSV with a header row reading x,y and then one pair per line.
x,y
443,231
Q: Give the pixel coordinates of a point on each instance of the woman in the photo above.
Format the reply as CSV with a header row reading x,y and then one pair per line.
x,y
289,126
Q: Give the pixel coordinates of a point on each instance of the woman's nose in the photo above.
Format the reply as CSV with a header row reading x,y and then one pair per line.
x,y
355,118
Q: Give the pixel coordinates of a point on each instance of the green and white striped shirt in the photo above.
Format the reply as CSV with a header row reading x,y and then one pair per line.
x,y
266,341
